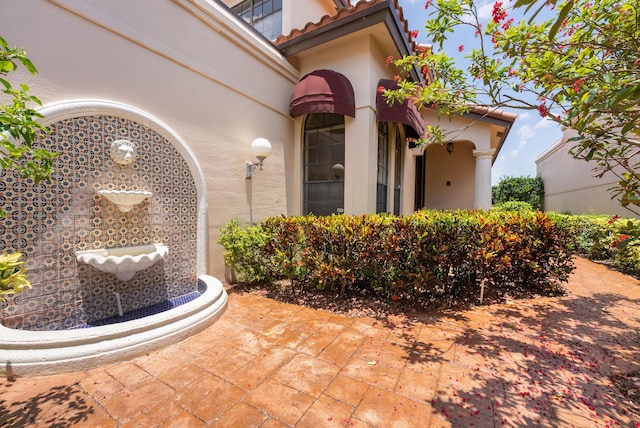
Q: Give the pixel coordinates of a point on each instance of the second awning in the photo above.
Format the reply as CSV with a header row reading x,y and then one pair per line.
x,y
406,112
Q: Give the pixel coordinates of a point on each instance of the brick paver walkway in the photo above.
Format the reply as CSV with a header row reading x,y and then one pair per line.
x,y
543,362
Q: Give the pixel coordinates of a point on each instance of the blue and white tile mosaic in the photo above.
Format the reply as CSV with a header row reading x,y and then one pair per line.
x,y
49,222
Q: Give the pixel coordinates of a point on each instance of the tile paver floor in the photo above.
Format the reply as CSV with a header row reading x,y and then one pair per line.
x,y
543,362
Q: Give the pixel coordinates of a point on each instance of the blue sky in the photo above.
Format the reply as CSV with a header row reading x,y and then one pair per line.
x,y
530,136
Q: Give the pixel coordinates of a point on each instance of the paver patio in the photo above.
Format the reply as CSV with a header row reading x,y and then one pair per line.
x,y
543,362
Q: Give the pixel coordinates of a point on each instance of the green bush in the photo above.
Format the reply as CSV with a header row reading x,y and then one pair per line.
x,y
598,238
243,251
426,254
513,206
525,189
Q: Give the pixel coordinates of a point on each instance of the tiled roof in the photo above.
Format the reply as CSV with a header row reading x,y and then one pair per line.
x,y
345,14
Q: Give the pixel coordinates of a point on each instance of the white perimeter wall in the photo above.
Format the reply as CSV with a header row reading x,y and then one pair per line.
x,y
186,62
570,185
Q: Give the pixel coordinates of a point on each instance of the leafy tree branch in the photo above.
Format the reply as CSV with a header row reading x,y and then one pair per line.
x,y
18,131
579,68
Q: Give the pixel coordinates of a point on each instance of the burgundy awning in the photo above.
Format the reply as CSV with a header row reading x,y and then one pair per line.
x,y
406,113
323,91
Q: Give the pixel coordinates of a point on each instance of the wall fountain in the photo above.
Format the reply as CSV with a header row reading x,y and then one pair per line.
x,y
120,229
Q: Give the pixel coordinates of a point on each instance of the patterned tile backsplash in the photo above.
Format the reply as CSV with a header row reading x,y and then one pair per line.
x,y
49,222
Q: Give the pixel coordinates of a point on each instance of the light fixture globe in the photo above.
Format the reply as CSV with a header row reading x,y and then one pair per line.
x,y
338,171
261,148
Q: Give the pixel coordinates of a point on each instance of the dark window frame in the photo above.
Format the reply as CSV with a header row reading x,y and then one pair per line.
x,y
257,12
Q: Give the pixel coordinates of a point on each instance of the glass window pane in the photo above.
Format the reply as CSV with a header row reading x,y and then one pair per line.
x,y
257,11
323,191
383,167
267,7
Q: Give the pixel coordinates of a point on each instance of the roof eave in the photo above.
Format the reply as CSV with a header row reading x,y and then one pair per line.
x,y
494,117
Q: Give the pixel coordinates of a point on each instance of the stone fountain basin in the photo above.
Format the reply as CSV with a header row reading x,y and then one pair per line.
x,y
124,262
125,199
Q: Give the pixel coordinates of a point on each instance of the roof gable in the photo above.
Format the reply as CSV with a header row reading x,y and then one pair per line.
x,y
348,20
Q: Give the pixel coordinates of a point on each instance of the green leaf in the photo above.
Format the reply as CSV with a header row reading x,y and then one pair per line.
x,y
28,64
5,83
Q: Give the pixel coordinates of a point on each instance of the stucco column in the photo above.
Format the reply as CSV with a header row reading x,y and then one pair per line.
x,y
361,162
482,198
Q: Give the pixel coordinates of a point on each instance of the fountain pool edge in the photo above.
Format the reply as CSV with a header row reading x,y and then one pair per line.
x,y
37,353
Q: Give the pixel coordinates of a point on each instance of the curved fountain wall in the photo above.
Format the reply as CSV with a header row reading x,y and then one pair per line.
x,y
49,222
28,353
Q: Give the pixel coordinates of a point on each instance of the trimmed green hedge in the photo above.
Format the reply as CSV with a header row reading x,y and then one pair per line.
x,y
426,254
597,237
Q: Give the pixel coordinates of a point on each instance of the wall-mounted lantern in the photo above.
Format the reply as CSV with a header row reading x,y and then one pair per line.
x,y
261,149
449,148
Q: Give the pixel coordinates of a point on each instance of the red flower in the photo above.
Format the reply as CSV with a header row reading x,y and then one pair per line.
x,y
620,240
498,13
613,219
542,109
507,23
427,4
380,89
460,48
478,29
395,298
577,85
414,34
389,60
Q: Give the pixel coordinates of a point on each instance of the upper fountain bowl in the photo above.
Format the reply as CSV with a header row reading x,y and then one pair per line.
x,y
124,262
125,199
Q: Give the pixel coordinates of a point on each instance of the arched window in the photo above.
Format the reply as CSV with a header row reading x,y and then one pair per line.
x,y
390,159
382,181
397,180
323,173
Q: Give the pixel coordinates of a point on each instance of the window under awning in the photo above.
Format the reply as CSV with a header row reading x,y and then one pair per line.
x,y
406,112
323,91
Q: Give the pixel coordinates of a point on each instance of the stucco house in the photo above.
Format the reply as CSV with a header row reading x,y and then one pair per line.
x,y
205,78
571,185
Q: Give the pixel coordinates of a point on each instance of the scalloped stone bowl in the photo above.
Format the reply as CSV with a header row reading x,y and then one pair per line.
x,y
124,262
125,199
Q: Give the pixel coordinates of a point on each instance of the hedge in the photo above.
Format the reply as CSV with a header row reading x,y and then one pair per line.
x,y
426,254
597,237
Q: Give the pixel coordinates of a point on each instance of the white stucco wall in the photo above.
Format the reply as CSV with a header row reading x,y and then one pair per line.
x,y
296,13
450,179
185,62
571,186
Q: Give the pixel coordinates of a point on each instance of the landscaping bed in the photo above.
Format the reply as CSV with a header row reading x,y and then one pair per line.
x,y
373,306
429,259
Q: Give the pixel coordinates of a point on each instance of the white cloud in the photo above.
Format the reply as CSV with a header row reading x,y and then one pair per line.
x,y
484,11
545,122
525,132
